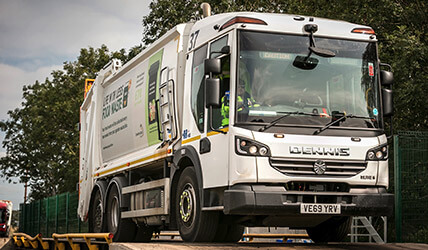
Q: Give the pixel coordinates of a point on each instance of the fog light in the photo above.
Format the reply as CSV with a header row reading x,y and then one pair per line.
x,y
379,154
371,155
384,149
263,151
243,143
252,150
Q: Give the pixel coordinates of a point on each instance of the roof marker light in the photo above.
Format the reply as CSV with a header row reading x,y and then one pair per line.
x,y
239,19
367,31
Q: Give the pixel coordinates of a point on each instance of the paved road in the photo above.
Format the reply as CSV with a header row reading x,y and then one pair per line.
x,y
247,246
179,245
3,242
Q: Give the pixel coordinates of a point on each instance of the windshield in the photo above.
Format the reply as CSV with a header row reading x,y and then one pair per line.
x,y
271,80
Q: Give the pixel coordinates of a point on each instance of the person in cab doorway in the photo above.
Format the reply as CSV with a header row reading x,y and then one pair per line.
x,y
245,100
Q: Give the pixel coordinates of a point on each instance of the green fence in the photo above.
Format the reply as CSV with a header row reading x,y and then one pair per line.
x,y
411,186
56,214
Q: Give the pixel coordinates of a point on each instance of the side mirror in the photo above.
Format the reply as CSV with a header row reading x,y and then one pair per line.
x,y
212,93
387,103
386,78
212,66
305,63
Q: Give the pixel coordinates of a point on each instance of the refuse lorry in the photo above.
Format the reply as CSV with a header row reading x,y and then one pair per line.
x,y
5,217
238,119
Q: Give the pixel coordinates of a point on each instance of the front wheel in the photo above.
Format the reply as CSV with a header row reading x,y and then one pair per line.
x,y
332,230
193,224
229,233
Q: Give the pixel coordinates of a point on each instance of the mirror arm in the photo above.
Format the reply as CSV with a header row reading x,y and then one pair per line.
x,y
311,40
386,65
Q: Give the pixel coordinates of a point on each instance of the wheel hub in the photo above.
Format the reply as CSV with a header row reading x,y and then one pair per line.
x,y
98,216
186,203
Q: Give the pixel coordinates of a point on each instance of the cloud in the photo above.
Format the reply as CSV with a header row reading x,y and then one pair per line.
x,y
12,81
37,33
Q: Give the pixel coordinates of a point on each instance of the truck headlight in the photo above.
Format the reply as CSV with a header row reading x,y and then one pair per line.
x,y
246,146
378,153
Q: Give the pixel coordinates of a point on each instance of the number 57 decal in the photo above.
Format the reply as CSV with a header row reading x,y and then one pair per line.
x,y
193,38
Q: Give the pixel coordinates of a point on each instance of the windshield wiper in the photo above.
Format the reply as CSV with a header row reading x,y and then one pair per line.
x,y
272,123
338,117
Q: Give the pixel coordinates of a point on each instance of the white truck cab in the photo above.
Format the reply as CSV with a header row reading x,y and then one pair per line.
x,y
239,119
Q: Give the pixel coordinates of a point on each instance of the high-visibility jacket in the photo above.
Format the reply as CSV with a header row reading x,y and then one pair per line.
x,y
249,102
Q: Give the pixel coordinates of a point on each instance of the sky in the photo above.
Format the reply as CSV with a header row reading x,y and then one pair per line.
x,y
38,36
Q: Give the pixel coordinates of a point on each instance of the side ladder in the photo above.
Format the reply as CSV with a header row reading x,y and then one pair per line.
x,y
166,109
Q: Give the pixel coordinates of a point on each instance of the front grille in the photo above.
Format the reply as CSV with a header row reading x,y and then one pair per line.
x,y
305,167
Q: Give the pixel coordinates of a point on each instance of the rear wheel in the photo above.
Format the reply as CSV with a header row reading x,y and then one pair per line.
x,y
122,229
193,224
96,216
332,230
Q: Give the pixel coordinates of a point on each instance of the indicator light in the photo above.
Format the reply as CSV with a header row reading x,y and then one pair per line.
x,y
242,20
367,31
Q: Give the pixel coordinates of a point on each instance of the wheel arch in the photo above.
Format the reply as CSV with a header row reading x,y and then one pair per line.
x,y
184,157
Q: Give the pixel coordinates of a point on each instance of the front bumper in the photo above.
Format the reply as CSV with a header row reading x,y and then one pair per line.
x,y
275,200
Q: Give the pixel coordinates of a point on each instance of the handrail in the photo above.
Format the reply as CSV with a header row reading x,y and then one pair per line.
x,y
108,237
26,240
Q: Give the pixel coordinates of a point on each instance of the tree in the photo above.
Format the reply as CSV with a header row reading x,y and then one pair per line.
x,y
42,141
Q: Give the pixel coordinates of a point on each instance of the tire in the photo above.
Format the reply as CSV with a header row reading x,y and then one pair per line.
x,y
144,233
229,233
96,214
332,230
234,233
123,230
193,224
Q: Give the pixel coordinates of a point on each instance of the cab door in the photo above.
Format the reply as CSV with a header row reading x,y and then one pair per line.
x,y
214,146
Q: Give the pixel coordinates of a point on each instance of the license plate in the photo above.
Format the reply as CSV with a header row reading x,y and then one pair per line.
x,y
314,208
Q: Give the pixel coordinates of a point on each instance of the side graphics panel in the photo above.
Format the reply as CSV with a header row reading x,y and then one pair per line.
x,y
129,116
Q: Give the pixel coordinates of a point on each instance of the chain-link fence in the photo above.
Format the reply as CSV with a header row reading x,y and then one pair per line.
x,y
411,186
56,214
